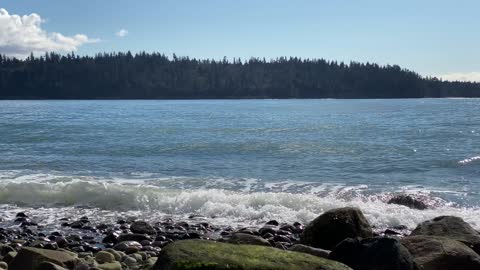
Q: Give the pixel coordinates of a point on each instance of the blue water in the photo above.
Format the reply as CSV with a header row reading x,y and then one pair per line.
x,y
365,147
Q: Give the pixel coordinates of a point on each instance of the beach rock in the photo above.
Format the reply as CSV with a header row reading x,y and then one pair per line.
x,y
115,253
30,258
272,222
247,239
373,253
450,227
408,201
122,246
440,253
10,256
205,255
104,257
110,266
310,250
142,227
49,266
133,237
335,225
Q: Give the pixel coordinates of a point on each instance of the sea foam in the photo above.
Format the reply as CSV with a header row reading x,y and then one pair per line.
x,y
43,194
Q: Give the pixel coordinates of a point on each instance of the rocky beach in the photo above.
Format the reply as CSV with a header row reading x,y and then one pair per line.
x,y
340,238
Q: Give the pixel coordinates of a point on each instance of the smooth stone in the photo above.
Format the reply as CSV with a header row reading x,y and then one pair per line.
x,y
335,225
122,246
440,253
115,254
30,258
110,266
373,253
204,255
133,237
142,227
310,250
104,257
129,261
450,227
409,201
247,239
49,266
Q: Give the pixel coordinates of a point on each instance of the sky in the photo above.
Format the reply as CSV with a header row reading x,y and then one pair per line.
x,y
432,37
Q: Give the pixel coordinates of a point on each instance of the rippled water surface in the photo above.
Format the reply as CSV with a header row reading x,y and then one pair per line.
x,y
243,159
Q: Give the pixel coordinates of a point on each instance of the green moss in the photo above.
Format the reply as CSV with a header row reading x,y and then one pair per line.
x,y
209,255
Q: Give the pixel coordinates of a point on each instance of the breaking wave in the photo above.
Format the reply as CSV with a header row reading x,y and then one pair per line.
x,y
241,201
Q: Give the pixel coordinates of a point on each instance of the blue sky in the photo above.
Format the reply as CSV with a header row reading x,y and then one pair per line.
x,y
431,37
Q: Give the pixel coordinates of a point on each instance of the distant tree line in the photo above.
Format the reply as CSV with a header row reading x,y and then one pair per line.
x,y
156,76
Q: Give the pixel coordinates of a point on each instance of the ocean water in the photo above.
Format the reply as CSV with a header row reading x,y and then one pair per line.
x,y
240,161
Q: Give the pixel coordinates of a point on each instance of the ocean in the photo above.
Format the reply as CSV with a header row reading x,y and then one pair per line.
x,y
240,162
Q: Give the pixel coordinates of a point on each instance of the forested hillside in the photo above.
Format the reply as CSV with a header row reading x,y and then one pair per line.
x,y
145,76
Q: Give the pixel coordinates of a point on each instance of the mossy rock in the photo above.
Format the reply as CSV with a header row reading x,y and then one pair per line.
x,y
210,255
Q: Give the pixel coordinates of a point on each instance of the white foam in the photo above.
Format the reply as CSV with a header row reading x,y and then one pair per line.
x,y
113,198
469,160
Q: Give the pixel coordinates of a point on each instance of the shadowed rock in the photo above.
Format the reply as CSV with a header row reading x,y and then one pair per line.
x,y
335,225
450,227
440,253
373,253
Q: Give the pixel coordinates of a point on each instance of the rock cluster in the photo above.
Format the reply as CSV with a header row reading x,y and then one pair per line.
x,y
338,239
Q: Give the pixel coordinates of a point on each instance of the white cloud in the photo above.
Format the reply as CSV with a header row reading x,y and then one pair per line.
x,y
21,35
458,76
122,33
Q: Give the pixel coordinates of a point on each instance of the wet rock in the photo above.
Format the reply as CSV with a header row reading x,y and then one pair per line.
x,y
450,227
247,239
115,253
110,266
281,238
373,253
201,254
122,246
267,229
440,253
133,237
408,201
335,225
49,266
21,214
273,222
310,250
30,258
111,238
9,256
142,227
104,257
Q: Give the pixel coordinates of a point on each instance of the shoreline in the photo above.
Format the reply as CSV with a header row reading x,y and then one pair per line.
x,y
144,241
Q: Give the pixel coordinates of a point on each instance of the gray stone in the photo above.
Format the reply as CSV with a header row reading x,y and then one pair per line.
x,y
247,239
310,250
440,253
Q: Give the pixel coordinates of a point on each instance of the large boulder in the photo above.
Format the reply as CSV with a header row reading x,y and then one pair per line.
x,y
30,258
206,255
142,227
408,201
440,253
450,227
373,253
247,239
335,225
